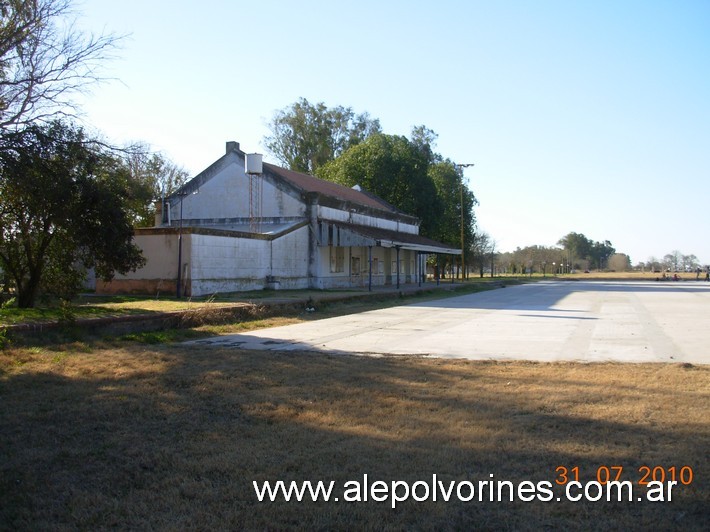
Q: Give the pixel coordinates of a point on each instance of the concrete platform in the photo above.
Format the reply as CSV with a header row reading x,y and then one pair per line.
x,y
589,321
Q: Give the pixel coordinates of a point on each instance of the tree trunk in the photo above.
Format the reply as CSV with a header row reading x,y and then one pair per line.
x,y
27,292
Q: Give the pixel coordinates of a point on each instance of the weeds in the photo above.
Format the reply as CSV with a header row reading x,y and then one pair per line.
x,y
67,315
5,341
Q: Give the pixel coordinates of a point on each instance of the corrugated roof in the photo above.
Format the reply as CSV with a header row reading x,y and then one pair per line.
x,y
308,183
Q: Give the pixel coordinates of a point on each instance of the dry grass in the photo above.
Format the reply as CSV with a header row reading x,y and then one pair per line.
x,y
141,437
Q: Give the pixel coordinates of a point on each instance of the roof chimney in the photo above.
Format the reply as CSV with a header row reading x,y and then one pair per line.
x,y
232,146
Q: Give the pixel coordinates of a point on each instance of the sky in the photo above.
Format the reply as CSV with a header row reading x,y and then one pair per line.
x,y
580,116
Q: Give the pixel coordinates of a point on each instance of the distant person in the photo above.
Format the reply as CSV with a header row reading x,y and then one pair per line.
x,y
707,274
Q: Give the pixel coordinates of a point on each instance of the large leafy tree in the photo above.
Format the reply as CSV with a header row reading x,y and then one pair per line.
x,y
64,204
456,201
394,169
600,253
580,248
305,136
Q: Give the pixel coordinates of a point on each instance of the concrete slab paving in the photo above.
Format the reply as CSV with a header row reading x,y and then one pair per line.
x,y
589,321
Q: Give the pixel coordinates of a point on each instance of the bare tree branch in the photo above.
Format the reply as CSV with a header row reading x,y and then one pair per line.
x,y
42,66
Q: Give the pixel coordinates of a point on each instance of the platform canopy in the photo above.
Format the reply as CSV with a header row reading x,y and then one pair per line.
x,y
360,235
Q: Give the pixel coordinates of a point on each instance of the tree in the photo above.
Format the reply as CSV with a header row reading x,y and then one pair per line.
x,y
155,177
600,253
578,247
619,262
654,264
538,259
689,262
43,64
483,248
425,139
394,169
304,136
455,200
64,205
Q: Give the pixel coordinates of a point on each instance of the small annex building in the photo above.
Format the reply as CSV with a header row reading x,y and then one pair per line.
x,y
242,225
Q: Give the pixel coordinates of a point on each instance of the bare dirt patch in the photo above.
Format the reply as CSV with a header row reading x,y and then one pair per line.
x,y
140,437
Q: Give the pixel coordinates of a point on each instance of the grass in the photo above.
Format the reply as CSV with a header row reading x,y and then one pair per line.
x,y
127,434
117,306
140,432
83,308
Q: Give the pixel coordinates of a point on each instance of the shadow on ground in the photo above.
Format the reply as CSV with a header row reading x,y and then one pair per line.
x,y
172,437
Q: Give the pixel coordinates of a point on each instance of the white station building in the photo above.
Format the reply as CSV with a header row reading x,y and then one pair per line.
x,y
246,225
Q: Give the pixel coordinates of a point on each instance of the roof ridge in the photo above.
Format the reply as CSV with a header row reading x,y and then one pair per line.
x,y
312,183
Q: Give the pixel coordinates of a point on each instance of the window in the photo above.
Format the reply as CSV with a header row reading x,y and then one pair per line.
x,y
355,266
337,260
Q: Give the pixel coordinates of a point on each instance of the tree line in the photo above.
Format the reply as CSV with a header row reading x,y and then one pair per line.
x,y
675,261
68,201
574,252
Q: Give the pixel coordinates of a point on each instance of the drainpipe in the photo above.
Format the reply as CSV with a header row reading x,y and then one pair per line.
x,y
397,248
369,259
179,272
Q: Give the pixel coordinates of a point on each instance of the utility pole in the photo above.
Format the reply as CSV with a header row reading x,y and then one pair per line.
x,y
463,246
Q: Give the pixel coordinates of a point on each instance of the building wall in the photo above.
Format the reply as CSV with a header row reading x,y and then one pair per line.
x,y
228,264
159,275
226,196
356,267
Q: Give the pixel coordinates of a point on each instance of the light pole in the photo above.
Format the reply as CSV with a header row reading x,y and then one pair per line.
x,y
463,247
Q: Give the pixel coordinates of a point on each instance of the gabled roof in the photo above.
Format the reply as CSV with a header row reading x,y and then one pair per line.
x,y
308,183
297,180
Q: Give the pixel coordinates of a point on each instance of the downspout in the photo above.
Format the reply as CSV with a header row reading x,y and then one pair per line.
x,y
397,248
313,248
369,260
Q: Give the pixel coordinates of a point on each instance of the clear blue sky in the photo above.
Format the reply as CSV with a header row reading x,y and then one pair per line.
x,y
585,116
